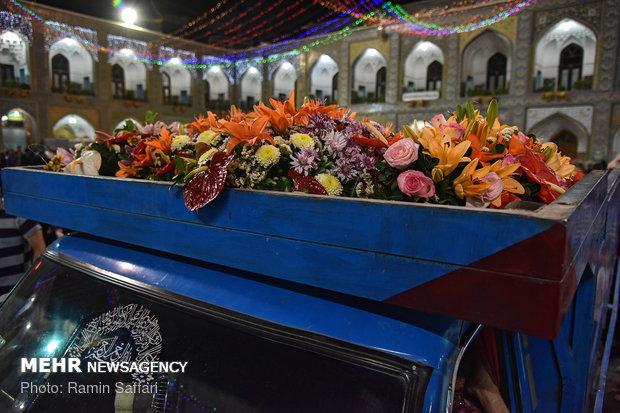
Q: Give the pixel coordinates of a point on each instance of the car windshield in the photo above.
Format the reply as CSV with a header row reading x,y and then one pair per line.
x,y
212,364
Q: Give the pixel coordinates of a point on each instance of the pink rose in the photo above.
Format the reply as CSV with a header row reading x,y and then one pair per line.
x,y
402,153
415,183
484,200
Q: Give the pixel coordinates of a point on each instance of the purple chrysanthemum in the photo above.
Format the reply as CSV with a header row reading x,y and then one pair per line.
x,y
304,161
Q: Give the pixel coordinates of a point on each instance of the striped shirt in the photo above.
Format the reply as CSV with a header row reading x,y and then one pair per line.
x,y
13,248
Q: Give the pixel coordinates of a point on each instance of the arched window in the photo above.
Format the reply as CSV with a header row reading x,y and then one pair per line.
x,y
165,83
433,76
118,81
335,88
496,72
380,85
571,63
60,73
567,143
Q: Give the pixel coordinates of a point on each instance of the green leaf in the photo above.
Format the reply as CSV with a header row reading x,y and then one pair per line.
x,y
499,148
460,113
178,161
394,185
397,196
471,114
150,117
492,113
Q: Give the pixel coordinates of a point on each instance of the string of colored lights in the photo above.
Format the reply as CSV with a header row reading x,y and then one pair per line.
x,y
205,15
413,25
253,32
317,36
232,22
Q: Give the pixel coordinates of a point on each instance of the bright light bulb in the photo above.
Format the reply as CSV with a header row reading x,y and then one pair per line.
x,y
53,345
72,120
175,61
129,15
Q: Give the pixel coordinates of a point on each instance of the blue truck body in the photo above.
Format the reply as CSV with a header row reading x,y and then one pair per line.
x,y
412,282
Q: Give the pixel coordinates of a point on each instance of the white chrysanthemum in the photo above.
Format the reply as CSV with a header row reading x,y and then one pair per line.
x,y
331,184
180,142
268,155
302,140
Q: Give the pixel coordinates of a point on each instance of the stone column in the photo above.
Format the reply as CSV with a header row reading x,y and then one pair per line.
x,y
40,83
266,87
392,92
344,79
601,135
452,62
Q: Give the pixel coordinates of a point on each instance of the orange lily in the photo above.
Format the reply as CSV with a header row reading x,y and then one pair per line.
x,y
163,143
236,114
143,160
312,107
510,185
125,171
202,124
249,131
560,164
283,115
469,182
449,154
477,152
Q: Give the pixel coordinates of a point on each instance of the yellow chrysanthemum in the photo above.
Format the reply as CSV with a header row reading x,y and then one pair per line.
x,y
267,155
207,136
331,184
55,164
179,142
302,140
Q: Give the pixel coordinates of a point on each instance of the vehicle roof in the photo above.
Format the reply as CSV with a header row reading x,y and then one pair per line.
x,y
420,337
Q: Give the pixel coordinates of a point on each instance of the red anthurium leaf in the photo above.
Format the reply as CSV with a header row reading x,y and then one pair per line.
x,y
205,186
306,182
364,141
165,169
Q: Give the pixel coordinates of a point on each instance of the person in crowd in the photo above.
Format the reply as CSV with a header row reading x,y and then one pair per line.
x,y
21,241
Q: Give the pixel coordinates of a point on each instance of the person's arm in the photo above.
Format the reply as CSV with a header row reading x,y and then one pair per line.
x,y
36,243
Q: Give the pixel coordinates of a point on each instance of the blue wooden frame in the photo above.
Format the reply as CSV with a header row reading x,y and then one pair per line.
x,y
372,249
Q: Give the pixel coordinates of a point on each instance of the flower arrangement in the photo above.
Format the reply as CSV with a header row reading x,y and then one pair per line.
x,y
466,159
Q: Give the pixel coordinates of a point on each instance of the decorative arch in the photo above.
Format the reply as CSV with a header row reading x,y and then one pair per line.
x,y
80,71
563,130
251,87
218,82
284,78
14,59
180,82
549,49
134,75
484,51
368,81
322,75
422,66
18,129
74,128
